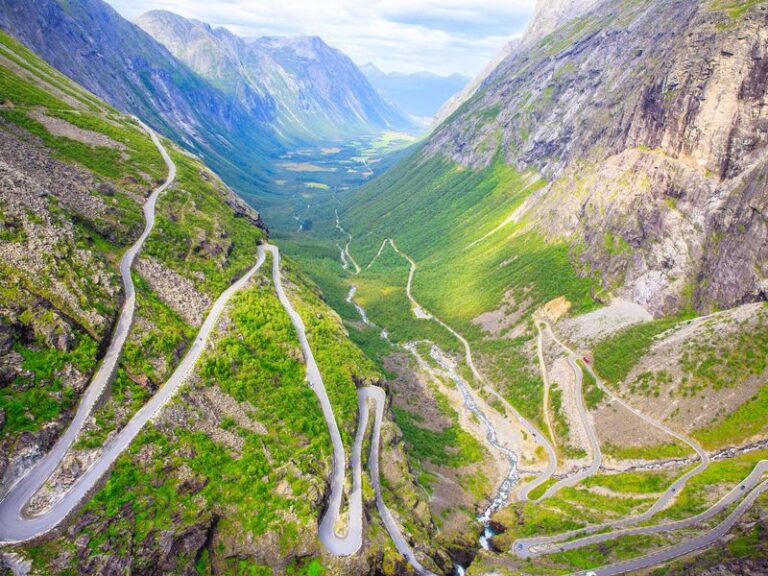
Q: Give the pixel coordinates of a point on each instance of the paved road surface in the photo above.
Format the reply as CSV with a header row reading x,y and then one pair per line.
x,y
350,542
538,546
594,443
378,397
545,380
688,546
12,527
546,544
751,487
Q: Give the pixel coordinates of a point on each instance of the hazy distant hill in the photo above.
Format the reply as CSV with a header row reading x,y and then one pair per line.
x,y
420,94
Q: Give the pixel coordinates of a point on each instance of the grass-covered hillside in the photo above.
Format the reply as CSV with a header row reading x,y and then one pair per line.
x,y
231,478
651,183
480,269
556,181
113,58
704,376
76,174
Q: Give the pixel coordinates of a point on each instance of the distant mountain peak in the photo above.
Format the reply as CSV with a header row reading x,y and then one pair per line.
x,y
171,18
121,63
370,67
309,47
316,90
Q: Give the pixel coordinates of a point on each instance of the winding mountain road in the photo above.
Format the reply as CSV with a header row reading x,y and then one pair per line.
x,y
352,541
737,493
545,380
751,487
747,491
378,397
680,483
346,255
349,543
540,439
688,546
594,443
15,525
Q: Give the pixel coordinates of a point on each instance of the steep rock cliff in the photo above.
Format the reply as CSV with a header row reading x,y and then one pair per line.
x,y
650,121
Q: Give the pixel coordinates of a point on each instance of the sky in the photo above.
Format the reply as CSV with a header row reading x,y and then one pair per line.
x,y
440,36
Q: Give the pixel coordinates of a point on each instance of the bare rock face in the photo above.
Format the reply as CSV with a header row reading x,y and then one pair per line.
x,y
551,14
736,251
32,185
649,119
175,290
171,551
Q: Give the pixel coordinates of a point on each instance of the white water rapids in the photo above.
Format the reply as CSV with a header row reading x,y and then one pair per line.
x,y
502,495
360,309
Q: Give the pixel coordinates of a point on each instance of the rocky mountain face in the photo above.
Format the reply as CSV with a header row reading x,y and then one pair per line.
x,y
551,15
548,16
453,103
649,120
313,90
420,94
116,60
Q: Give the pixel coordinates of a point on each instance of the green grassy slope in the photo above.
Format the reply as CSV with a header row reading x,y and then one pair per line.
x,y
436,210
91,43
471,260
235,483
256,497
194,213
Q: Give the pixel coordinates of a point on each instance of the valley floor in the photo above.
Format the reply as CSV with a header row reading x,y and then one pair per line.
x,y
611,458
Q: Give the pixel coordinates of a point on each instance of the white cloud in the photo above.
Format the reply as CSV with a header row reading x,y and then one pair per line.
x,y
442,36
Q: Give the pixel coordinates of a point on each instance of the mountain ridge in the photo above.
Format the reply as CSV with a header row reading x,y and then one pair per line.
x,y
548,16
545,108
315,91
91,43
